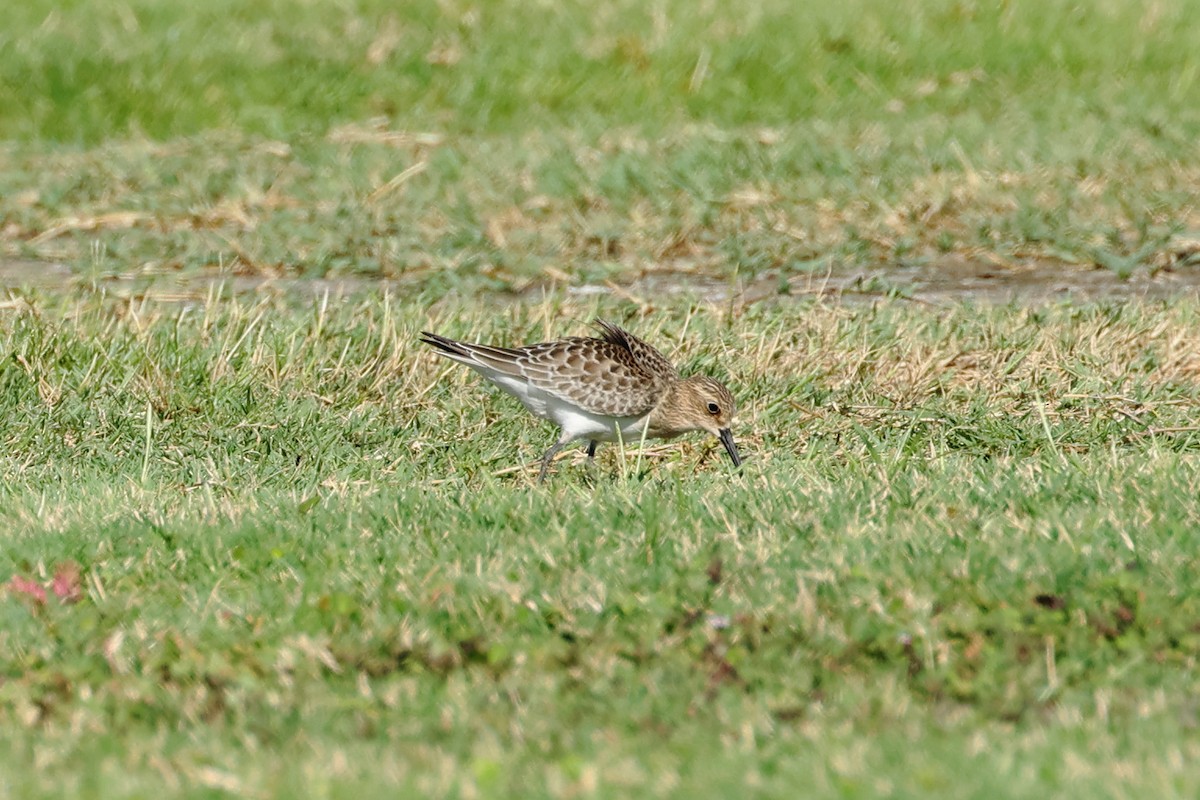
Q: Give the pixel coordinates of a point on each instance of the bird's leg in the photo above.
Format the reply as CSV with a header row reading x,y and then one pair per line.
x,y
546,459
591,459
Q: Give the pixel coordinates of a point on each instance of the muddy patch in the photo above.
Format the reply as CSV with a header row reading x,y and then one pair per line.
x,y
950,280
960,280
20,273
944,281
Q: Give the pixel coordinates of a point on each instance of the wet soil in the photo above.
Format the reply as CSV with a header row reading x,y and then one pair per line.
x,y
945,281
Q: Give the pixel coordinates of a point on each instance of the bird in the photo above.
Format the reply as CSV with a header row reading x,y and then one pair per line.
x,y
614,387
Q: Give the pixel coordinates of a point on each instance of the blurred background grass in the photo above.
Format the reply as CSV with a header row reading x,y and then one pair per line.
x,y
510,145
87,72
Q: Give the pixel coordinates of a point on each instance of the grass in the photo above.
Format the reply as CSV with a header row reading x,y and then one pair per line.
x,y
505,145
81,72
960,558
258,542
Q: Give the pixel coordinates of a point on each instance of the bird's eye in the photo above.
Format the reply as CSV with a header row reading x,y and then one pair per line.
x,y
714,409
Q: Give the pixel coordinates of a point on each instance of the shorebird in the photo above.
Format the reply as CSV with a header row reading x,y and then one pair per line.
x,y
612,388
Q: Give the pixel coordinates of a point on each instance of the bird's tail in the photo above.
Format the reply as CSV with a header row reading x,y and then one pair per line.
x,y
447,346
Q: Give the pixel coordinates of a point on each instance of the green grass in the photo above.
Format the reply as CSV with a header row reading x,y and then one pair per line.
x,y
960,559
82,72
303,557
458,146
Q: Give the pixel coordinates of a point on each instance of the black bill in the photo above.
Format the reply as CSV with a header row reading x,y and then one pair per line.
x,y
726,437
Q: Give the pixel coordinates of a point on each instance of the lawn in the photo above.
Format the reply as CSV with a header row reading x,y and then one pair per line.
x,y
256,540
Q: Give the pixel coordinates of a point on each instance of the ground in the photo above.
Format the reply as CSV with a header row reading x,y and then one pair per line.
x,y
258,541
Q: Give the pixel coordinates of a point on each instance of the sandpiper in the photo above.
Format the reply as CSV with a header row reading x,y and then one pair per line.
x,y
615,387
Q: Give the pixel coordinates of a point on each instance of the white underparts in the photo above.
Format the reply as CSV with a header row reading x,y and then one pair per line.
x,y
575,422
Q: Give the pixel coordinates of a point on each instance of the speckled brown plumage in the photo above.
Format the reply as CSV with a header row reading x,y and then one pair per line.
x,y
601,389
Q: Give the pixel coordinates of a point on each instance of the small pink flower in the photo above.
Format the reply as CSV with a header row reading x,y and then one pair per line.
x,y
22,586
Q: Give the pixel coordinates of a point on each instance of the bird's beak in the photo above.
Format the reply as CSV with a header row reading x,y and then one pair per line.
x,y
726,437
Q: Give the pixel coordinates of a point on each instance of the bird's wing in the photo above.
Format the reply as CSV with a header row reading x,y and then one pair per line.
x,y
596,375
618,375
